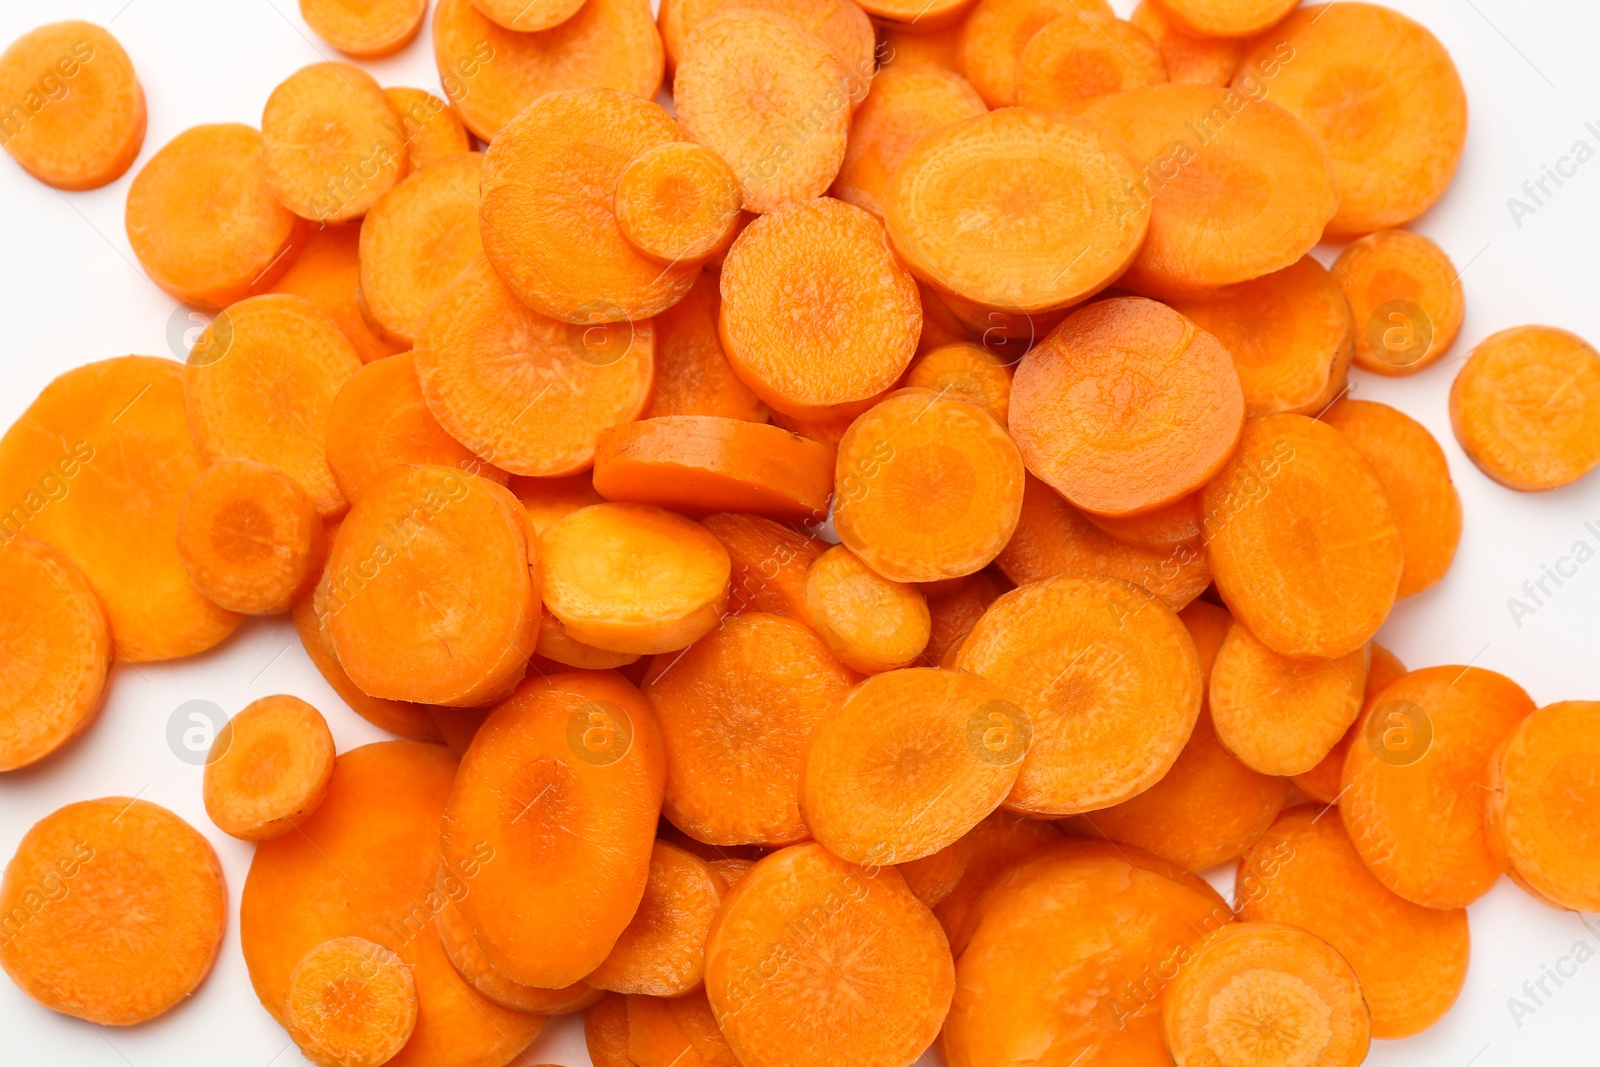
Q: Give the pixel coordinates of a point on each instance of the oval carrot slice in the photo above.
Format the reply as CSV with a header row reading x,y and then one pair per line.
x,y
1225,18
559,646
769,563
996,31
526,17
693,376
432,129
1321,783
868,622
677,202
1302,538
877,938
954,614
396,716
1083,55
697,464
1188,59
269,768
202,218
249,538
327,271
1525,407
1109,677
967,372
548,500
661,953
351,1003
135,918
563,782
1163,528
528,393
76,117
1406,299
368,30
1134,449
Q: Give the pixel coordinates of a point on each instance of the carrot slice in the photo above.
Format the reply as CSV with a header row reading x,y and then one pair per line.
x,y
1049,187
1289,332
839,24
114,908
559,646
995,845
833,922
661,953
333,143
995,33
954,615
1414,796
327,271
1526,407
415,239
1406,299
605,1032
203,220
526,17
1163,528
351,1003
634,578
967,372
249,538
769,564
1302,538
525,392
269,768
1321,782
563,782
432,129
738,711
368,30
696,464
933,878
677,202
1225,18
912,46
693,376
1082,55
676,1032
1109,677
548,500
1188,59
97,467
77,113
1411,961
868,622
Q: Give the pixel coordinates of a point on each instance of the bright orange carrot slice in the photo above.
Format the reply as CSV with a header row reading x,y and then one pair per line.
x,y
1083,55
964,371
996,31
870,623
769,563
432,129
351,1003
249,538
269,768
1191,60
1405,296
558,645
662,951
327,271
366,30
693,376
396,716
677,202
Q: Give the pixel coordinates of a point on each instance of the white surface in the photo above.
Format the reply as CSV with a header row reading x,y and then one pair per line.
x,y
71,292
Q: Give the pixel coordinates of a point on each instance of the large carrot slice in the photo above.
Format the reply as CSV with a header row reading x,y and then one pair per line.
x,y
396,716
769,561
870,623
327,271
432,129
367,30
662,951
1082,55
693,376
1406,298
994,34
351,1003
1188,59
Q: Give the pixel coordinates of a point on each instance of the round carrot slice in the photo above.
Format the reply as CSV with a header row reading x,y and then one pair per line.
x,y
1256,986
1082,55
563,783
202,218
76,117
1188,59
260,384
548,500
248,537
839,24
1413,787
1166,527
525,16
1049,188
1302,538
1526,408
1225,18
693,376
845,336
634,578
528,393
432,129
769,563
677,202
1108,675
1289,332
876,939
1322,781
1541,799
738,712
366,30
1123,451
697,464
967,372
954,614
55,648
351,1003
1406,300
995,33
1381,95
396,716
559,646
115,909
327,271
417,238
1411,961
332,142
869,622
269,768
662,951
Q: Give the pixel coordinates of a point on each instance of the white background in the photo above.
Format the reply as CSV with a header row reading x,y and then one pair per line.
x,y
71,292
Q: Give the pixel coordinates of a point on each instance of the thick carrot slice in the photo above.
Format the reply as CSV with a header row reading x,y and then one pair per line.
x,y
1163,528
1126,451
1414,793
1082,55
528,17
839,24
634,578
1411,961
920,15
351,1003
1405,296
396,716
1225,18
76,117
491,74
964,371
1257,991
202,218
1049,186
548,500
333,143
1382,96
996,31
998,843
1541,799
738,712
769,564
1289,332
378,829
97,467
844,337
525,392
260,384
1109,677
366,30
661,953
133,918
1526,407
1321,782
327,271
693,377
249,538
1188,59
833,923
696,464
605,1032
432,129
954,614
564,783
905,105
676,1032
269,770
1302,538
868,622
677,202
559,646
415,239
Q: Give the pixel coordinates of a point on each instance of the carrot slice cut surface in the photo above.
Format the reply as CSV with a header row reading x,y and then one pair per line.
x,y
351,1003
269,770
1406,299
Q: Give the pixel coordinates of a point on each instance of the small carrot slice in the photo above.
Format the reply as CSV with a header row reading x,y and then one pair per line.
x,y
1302,539
559,646
1321,782
249,538
634,578
269,768
1129,451
1225,18
202,218
677,202
696,464
965,371
55,647
661,953
1109,677
368,30
432,129
1406,299
1188,59
953,615
605,1032
1163,528
332,142
76,117
996,31
870,623
693,376
351,1003
1082,55
528,17
548,500
327,271
1526,407
769,563
134,919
